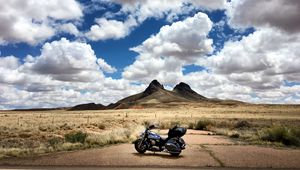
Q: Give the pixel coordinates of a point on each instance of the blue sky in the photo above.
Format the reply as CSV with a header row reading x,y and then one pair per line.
x,y
83,49
116,52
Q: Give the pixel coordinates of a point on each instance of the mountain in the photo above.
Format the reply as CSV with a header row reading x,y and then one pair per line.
x,y
155,95
184,90
88,106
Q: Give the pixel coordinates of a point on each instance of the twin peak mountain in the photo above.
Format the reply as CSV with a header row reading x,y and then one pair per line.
x,y
155,95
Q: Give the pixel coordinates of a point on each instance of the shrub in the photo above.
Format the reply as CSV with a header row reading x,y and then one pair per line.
x,y
24,135
234,135
14,152
164,125
65,126
242,124
101,126
203,124
146,123
174,123
54,141
191,125
282,134
75,137
43,128
296,132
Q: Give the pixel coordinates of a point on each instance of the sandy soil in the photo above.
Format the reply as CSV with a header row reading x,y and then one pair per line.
x,y
202,151
257,156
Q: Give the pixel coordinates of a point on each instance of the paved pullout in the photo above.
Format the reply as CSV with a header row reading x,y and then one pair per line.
x,y
202,151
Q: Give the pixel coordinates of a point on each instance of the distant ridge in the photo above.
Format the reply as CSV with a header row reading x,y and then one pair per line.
x,y
42,109
155,95
88,106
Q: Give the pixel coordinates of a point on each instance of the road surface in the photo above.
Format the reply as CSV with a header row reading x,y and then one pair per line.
x,y
203,150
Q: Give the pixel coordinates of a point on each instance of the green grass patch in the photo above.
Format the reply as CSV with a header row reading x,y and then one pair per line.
x,y
76,137
282,134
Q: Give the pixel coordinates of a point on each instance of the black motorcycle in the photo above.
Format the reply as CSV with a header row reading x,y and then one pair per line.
x,y
151,141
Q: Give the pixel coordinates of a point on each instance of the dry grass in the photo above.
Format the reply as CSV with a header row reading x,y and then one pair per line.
x,y
33,132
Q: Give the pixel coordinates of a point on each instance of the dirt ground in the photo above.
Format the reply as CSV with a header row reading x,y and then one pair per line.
x,y
203,150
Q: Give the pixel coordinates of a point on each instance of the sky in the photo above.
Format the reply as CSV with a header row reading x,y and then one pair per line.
x,y
62,53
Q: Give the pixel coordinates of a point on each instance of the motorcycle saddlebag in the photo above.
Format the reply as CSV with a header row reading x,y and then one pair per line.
x,y
172,146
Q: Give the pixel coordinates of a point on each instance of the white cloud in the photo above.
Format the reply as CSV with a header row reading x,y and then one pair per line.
x,y
266,56
105,67
159,8
138,11
69,28
110,29
255,67
9,62
33,21
66,61
147,68
279,14
65,74
183,39
163,55
211,5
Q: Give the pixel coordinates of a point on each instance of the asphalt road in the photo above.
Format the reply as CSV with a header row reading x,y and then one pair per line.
x,y
203,151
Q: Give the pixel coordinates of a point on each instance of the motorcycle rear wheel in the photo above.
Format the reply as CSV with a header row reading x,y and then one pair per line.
x,y
141,148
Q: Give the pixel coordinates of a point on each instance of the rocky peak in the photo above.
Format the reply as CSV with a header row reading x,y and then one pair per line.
x,y
185,91
153,87
182,87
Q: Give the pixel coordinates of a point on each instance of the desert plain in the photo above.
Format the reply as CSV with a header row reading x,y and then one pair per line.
x,y
219,135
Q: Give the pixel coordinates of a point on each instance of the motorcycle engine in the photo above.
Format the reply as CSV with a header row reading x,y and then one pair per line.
x,y
152,142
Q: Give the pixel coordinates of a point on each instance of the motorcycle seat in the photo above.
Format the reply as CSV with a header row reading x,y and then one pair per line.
x,y
163,139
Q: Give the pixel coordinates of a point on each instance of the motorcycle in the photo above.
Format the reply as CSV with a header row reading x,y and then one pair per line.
x,y
151,141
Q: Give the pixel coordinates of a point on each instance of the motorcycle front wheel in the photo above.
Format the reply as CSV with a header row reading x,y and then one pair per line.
x,y
139,146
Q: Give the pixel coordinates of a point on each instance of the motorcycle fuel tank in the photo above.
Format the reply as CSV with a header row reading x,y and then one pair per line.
x,y
153,136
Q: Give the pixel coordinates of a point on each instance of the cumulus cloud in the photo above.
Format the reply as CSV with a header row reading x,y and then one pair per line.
x,y
138,11
65,74
182,39
67,61
9,62
159,8
9,70
69,28
105,67
279,14
33,21
163,55
266,56
110,29
147,68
